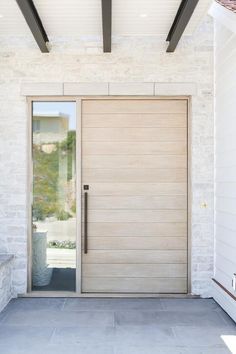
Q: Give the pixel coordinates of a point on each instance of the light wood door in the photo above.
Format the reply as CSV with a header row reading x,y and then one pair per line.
x,y
134,159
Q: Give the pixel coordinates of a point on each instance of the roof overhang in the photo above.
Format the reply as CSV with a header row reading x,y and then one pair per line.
x,y
98,21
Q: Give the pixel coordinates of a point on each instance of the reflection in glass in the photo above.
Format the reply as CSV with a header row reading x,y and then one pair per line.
x,y
54,196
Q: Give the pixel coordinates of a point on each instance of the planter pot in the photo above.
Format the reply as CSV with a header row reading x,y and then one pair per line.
x,y
41,274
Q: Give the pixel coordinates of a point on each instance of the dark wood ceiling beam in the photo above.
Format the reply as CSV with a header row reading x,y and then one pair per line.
x,y
181,20
106,24
34,22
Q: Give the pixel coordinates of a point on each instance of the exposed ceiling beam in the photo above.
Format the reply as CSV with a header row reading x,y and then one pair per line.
x,y
34,22
106,24
181,20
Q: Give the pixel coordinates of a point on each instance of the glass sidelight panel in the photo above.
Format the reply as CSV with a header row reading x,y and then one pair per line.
x,y
54,196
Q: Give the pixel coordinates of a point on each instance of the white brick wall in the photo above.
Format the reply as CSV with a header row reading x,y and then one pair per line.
x,y
134,59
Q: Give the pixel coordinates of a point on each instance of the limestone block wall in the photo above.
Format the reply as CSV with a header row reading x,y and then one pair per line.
x,y
6,291
133,60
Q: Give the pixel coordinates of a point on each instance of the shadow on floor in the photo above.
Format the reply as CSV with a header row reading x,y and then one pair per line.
x,y
63,279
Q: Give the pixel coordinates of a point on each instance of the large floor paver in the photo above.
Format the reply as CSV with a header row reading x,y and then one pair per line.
x,y
115,326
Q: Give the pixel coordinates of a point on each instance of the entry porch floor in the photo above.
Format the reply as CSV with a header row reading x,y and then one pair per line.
x,y
115,326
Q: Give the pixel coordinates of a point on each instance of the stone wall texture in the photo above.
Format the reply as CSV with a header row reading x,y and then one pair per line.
x,y
133,59
6,291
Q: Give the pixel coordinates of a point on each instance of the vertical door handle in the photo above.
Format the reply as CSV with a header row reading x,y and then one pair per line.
x,y
85,222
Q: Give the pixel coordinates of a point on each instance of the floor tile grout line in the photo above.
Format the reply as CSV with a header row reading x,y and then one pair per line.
x,y
174,332
52,335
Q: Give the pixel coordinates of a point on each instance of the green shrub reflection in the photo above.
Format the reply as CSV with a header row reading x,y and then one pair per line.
x,y
53,183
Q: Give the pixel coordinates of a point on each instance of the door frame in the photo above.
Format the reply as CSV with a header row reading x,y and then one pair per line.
x,y
78,101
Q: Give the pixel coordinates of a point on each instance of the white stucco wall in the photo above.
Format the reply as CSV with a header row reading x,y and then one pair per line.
x,y
132,60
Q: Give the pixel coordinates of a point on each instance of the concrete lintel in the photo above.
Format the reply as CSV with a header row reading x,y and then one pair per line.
x,y
175,88
136,89
42,89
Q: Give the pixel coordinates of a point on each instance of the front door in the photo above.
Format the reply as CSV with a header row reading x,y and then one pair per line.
x,y
134,174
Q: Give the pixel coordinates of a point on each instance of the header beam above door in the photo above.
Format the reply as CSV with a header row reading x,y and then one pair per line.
x,y
34,22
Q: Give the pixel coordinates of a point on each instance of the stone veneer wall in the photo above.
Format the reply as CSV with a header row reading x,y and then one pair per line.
x,y
133,59
6,292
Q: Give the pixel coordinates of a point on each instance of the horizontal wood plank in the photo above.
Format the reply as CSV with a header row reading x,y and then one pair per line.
x,y
135,256
147,175
134,106
134,148
135,120
135,161
137,202
135,270
134,285
137,243
137,216
146,189
108,229
134,134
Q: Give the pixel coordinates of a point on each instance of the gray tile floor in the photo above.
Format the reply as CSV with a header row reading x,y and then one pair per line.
x,y
114,326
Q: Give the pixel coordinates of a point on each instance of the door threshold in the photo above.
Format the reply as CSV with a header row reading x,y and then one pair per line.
x,y
103,295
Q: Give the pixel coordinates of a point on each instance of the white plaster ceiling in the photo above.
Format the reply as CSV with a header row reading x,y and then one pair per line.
x,y
76,18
